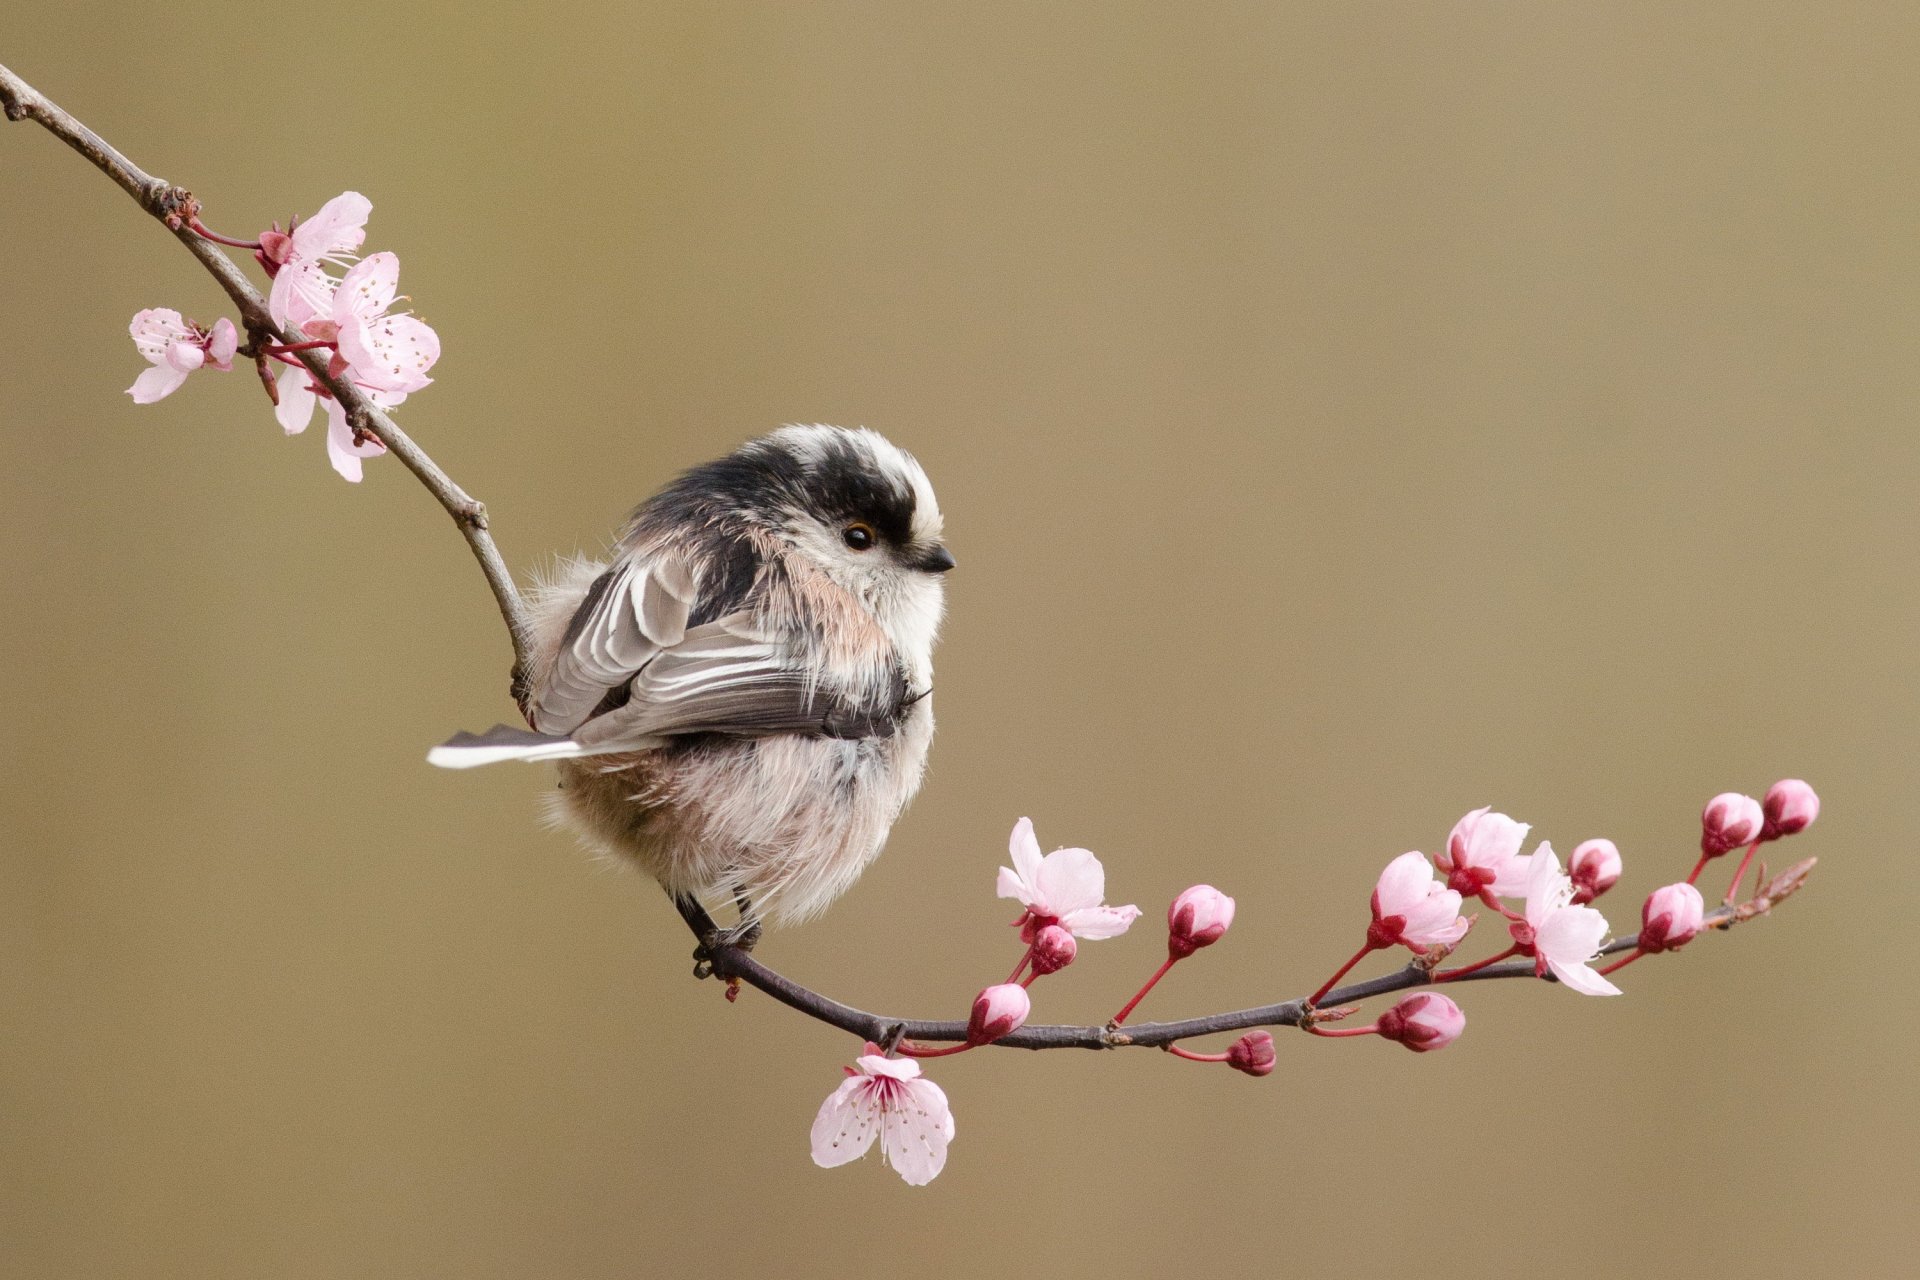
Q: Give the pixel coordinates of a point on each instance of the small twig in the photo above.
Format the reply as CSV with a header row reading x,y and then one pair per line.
x,y
176,208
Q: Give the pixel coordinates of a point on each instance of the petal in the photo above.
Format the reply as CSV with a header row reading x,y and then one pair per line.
x,y
1436,919
224,341
1510,880
1579,977
1024,848
846,1124
1070,880
877,1064
300,293
915,1133
295,409
367,290
1095,923
390,353
341,449
154,330
1404,884
185,356
1543,871
339,226
156,383
1571,934
1010,885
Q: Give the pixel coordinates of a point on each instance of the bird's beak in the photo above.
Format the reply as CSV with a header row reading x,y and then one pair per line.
x,y
935,560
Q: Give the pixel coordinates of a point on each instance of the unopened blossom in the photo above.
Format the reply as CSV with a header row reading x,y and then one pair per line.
x,y
175,349
302,289
1199,917
1252,1053
1790,808
998,1011
1411,909
1561,937
885,1098
1729,821
1483,856
1053,950
1424,1021
1067,887
1670,918
298,393
1594,868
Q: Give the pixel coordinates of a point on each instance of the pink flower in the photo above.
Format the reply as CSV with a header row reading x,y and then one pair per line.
x,y
1067,887
998,1011
1671,917
302,289
389,353
1559,936
175,349
885,1098
1410,909
1483,855
1595,868
298,392
1252,1053
1424,1021
1790,808
1729,821
1199,917
1053,950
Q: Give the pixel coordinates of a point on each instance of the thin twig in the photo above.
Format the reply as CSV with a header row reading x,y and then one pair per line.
x,y
174,207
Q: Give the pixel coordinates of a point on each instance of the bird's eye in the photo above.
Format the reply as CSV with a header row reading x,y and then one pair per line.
x,y
858,536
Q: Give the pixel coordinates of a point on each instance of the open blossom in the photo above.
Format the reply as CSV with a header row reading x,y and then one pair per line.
x,y
298,392
302,289
1199,917
1671,917
175,349
389,353
1412,909
1559,936
1424,1021
1595,868
1729,821
885,1098
1483,855
1067,887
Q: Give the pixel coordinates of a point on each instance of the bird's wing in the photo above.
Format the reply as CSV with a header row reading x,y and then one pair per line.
x,y
630,646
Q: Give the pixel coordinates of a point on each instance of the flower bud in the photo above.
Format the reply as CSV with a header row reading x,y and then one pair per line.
x,y
276,246
1252,1053
1053,949
1594,868
1198,918
1729,821
1790,806
998,1011
1670,918
1423,1021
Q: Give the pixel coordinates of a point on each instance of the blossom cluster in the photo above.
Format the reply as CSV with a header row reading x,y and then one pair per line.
x,y
1416,904
335,302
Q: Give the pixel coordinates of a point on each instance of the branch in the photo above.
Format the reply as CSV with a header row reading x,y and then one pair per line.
x,y
172,206
733,963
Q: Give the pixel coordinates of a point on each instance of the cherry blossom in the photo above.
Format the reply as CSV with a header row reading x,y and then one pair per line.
x,y
1199,917
1729,821
302,289
1067,887
1252,1053
1562,938
1595,868
175,349
390,353
298,393
1424,1022
1411,909
1053,950
1670,918
1790,808
1483,856
885,1098
998,1011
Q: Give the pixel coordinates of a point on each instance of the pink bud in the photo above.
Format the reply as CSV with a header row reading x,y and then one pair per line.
x,y
1199,917
1053,949
275,247
1790,806
1670,918
1594,868
1729,821
1252,1053
1423,1021
998,1011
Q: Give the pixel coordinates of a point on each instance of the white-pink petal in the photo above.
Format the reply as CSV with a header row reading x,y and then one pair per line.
x,y
368,288
222,343
390,353
1096,923
157,383
340,226
1024,847
1404,885
341,449
301,292
185,356
915,1131
156,329
295,409
846,1124
1070,880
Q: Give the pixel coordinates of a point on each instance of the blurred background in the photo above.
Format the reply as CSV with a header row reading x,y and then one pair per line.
x,y
1346,416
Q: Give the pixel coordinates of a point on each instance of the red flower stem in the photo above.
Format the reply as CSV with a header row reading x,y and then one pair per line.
x,y
1028,980
1141,994
198,228
1700,866
1315,1029
1741,874
1622,962
1339,973
1444,975
1191,1056
908,1049
279,348
1017,969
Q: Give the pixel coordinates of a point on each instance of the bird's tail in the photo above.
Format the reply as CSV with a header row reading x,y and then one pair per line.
x,y
465,750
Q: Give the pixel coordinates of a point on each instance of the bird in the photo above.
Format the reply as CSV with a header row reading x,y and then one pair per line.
x,y
739,698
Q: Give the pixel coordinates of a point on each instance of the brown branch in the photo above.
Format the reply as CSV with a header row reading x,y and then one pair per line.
x,y
173,206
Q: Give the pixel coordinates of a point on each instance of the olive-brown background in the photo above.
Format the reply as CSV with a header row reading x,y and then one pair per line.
x,y
1346,416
